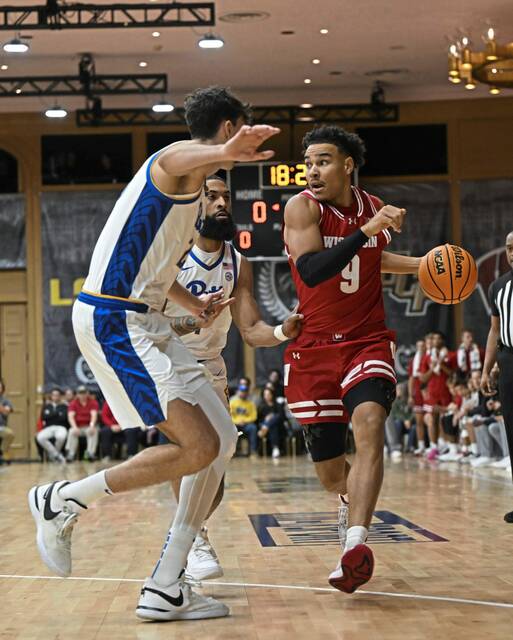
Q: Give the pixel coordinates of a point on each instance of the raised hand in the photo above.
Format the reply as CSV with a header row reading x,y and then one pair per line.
x,y
388,216
243,147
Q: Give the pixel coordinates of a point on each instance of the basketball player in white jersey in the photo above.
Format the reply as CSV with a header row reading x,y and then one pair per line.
x,y
212,265
145,372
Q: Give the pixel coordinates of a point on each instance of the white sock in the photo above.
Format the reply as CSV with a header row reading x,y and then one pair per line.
x,y
197,492
473,448
87,490
422,445
355,535
453,447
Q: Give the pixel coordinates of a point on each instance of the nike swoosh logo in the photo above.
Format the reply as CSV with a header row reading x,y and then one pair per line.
x,y
176,602
48,513
187,268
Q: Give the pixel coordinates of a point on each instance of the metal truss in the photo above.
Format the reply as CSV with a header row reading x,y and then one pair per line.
x,y
55,15
73,86
357,113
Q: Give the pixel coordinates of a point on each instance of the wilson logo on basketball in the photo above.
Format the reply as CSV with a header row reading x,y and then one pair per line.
x,y
459,259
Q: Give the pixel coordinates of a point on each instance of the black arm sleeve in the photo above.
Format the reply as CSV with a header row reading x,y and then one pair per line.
x,y
319,266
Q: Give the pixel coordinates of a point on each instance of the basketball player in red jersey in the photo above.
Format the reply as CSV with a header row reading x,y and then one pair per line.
x,y
342,366
415,396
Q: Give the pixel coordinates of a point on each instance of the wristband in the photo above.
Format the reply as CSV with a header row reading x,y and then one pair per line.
x,y
278,333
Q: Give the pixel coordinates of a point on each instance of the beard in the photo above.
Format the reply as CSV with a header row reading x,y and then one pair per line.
x,y
214,229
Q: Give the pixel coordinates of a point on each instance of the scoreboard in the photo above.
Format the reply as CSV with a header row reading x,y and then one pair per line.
x,y
259,194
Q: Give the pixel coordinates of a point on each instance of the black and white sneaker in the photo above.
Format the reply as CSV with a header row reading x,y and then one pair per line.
x,y
54,521
177,602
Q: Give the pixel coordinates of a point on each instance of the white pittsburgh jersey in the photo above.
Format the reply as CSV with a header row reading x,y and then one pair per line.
x,y
144,242
201,273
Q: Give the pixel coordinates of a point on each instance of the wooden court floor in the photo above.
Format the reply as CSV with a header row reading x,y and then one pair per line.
x,y
444,561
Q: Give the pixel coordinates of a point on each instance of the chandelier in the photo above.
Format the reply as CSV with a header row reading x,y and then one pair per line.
x,y
492,66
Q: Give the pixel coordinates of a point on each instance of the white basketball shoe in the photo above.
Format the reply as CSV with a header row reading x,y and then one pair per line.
x,y
202,561
54,521
177,602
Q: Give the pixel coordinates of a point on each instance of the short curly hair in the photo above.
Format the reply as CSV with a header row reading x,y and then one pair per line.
x,y
206,109
349,143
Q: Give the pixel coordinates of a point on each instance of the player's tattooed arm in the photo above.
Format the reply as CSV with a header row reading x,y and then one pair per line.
x,y
246,314
184,325
396,263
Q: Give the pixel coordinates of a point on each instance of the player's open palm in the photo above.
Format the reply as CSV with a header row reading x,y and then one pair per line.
x,y
244,145
293,325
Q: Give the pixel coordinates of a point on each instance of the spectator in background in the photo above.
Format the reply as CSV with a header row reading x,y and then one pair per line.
x,y
399,423
83,418
244,415
469,356
111,433
54,426
6,434
415,396
69,395
275,379
270,420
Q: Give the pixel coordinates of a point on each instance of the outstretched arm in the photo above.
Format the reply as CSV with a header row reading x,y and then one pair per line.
x,y
247,317
396,263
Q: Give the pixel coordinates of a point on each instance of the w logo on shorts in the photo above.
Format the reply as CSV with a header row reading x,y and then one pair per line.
x,y
296,355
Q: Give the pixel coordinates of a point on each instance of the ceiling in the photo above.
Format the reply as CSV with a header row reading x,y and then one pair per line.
x,y
404,41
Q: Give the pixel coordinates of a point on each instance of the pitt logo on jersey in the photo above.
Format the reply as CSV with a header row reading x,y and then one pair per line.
x,y
198,288
330,241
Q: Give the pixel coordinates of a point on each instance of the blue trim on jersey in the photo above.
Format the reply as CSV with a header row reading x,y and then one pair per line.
x,y
111,331
109,303
135,240
206,266
149,182
234,260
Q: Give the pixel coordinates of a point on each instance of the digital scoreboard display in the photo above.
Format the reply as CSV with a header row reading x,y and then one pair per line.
x,y
259,194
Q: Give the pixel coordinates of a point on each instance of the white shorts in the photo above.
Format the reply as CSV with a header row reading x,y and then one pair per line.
x,y
218,378
139,363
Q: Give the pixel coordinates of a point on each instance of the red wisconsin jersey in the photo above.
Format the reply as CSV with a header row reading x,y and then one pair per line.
x,y
351,301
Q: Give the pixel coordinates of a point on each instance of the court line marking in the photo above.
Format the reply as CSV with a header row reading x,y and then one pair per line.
x,y
412,596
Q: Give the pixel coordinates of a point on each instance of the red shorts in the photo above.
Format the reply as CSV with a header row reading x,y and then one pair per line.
x,y
317,374
437,398
418,401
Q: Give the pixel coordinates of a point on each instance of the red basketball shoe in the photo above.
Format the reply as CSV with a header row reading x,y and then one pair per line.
x,y
354,570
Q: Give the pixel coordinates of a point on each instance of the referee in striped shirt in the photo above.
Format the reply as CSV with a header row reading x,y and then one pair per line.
x,y
499,347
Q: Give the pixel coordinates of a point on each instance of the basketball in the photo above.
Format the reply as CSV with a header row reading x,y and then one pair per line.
x,y
448,274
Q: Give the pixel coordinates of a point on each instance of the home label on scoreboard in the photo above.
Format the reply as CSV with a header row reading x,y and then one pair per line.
x,y
259,194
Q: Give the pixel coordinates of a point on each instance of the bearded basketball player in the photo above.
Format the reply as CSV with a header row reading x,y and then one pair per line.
x,y
213,265
341,367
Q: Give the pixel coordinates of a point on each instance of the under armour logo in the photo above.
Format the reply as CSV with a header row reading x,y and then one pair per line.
x,y
351,220
338,336
296,355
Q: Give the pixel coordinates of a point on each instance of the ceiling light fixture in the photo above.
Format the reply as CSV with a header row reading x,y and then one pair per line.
x,y
492,65
143,63
18,91
16,46
210,41
163,107
56,112
306,105
316,61
156,34
4,67
307,81
323,31
495,91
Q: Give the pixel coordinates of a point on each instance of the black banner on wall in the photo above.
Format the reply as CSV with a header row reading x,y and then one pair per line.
x,y
12,231
71,224
409,312
487,218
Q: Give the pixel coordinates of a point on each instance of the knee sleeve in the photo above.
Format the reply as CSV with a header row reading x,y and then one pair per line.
x,y
220,419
